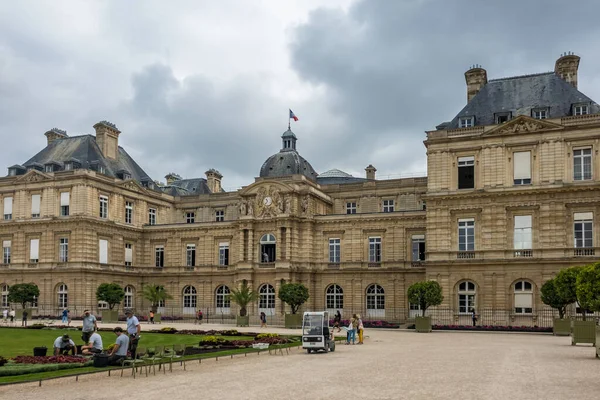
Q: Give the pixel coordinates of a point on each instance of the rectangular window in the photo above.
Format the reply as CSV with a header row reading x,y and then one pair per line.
x,y
466,303
418,247
128,212
159,256
8,203
190,255
190,217
522,168
63,250
103,207
388,206
466,235
522,233
49,168
502,117
540,114
65,198
467,122
582,164
583,228
334,251
466,172
523,303
34,250
6,251
220,216
128,254
374,249
152,216
351,208
223,253
103,251
580,109
36,200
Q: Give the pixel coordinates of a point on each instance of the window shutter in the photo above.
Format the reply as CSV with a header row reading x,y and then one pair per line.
x,y
522,164
35,203
523,300
576,216
6,243
34,249
103,247
8,203
64,198
128,255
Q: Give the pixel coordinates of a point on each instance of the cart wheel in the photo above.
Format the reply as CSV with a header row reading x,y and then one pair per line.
x,y
332,348
308,351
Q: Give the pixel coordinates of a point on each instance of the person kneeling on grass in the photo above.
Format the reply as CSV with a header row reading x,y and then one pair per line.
x,y
119,351
94,346
63,344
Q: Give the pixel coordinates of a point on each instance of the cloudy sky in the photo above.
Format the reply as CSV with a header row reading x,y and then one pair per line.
x,y
196,84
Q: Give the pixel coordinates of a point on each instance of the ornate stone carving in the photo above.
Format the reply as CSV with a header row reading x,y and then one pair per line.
x,y
523,126
287,205
250,208
33,178
305,204
243,207
268,203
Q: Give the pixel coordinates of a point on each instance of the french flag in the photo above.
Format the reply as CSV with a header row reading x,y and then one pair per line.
x,y
292,115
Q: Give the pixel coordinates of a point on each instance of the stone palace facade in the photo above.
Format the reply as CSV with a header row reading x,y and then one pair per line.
x,y
511,197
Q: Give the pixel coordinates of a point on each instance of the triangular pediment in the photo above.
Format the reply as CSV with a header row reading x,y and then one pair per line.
x,y
34,176
267,186
523,124
133,186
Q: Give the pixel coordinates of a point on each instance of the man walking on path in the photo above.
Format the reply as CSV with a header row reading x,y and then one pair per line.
x,y
133,330
65,314
90,325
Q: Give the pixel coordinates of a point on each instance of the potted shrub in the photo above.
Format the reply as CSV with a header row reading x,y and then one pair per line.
x,y
566,284
155,294
551,297
294,295
426,294
23,293
243,296
588,293
112,294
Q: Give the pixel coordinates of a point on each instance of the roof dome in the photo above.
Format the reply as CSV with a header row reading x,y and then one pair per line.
x,y
335,173
287,161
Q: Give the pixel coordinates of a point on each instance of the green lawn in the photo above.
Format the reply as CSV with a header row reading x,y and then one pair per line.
x,y
18,341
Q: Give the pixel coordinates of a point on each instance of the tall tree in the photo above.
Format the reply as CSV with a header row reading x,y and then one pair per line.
x,y
588,287
111,293
243,296
566,285
425,294
294,295
155,294
23,293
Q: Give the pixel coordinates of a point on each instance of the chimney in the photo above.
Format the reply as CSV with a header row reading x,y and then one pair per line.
x,y
213,179
107,138
54,134
172,177
371,172
476,78
566,67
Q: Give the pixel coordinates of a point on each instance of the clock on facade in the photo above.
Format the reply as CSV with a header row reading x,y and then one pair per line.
x,y
267,201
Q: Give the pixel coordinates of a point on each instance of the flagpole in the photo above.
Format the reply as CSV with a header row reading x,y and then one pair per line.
x,y
289,121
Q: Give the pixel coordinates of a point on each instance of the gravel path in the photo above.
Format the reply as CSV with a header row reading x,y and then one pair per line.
x,y
391,365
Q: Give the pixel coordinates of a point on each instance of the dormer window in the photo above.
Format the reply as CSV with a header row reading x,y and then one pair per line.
x,y
49,168
123,174
16,170
540,113
502,117
68,166
580,109
466,122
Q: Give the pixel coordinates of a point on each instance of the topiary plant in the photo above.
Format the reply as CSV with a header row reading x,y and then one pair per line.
x,y
425,294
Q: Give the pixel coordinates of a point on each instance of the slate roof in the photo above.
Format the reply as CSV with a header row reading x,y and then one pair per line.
x,y
187,187
287,162
85,150
337,177
519,95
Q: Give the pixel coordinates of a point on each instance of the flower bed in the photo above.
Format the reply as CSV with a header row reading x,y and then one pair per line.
x,y
495,328
370,324
12,369
49,360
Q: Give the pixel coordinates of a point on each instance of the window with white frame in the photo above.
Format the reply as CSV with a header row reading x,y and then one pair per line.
x,y
583,229
418,247
388,206
582,164
128,212
466,234
128,299
541,113
466,172
466,297
128,254
49,168
523,297
580,109
189,297
374,249
104,207
159,256
6,251
63,250
522,168
103,251
351,207
224,253
219,215
4,293
34,302
63,296
222,301
190,217
334,250
8,208
523,239
190,255
375,298
334,297
102,305
266,297
152,216
34,251
466,122
65,198
36,201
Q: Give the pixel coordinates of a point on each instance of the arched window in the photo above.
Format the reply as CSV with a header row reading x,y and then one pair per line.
x,y
222,301
466,297
266,301
375,301
334,298
4,293
128,299
63,296
267,248
523,297
189,300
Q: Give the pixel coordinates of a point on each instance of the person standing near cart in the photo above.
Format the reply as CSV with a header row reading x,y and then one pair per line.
x,y
133,331
90,325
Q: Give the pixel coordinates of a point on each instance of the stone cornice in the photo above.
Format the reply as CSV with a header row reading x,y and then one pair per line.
x,y
507,191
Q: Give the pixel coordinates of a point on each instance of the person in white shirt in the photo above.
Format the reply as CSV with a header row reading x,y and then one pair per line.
x,y
5,315
133,330
94,345
63,344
